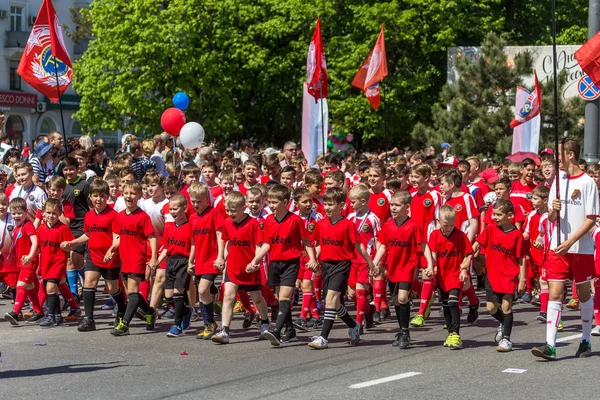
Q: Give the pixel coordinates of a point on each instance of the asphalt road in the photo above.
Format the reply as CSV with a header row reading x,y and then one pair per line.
x,y
61,363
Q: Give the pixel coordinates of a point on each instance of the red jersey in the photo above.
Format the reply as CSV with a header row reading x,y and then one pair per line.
x,y
532,227
347,210
425,209
465,208
403,245
243,188
310,224
367,229
133,229
177,239
68,211
242,238
379,204
521,196
53,260
477,196
205,226
220,205
22,243
518,216
317,205
336,239
99,229
285,236
485,189
216,191
449,254
503,251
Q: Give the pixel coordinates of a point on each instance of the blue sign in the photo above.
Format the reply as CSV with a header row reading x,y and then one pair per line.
x,y
587,90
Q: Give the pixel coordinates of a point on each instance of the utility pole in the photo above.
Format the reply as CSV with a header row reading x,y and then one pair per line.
x,y
590,138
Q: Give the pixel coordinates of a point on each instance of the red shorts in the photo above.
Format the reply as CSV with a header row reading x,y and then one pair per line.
x,y
163,264
10,278
264,274
533,269
305,274
579,268
27,275
359,273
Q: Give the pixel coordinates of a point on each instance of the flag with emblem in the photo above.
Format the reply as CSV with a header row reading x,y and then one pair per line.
x,y
316,67
45,63
372,72
530,107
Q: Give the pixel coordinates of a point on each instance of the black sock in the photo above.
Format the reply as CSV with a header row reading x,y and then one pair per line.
x,y
398,313
404,316
328,320
133,299
289,323
344,316
454,325
89,298
169,301
226,329
208,312
53,303
179,302
508,324
274,313
143,304
447,315
498,315
119,298
284,308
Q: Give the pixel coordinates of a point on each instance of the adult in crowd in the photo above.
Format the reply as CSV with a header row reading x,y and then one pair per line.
x,y
289,151
26,151
41,156
159,147
247,149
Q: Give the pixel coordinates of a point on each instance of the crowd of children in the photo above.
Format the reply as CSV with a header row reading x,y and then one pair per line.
x,y
214,236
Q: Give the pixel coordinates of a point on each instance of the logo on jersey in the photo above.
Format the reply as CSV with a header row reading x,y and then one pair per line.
x,y
262,225
314,207
575,193
365,228
427,202
458,207
381,202
311,227
31,197
76,191
529,196
10,228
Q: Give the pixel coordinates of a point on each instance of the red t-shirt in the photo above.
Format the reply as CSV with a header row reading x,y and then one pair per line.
x,y
503,251
450,252
243,189
465,208
177,239
336,239
403,245
204,229
317,205
518,216
134,229
310,224
425,209
99,229
22,243
216,191
53,260
367,229
68,211
284,237
242,239
485,189
379,204
220,205
532,227
521,196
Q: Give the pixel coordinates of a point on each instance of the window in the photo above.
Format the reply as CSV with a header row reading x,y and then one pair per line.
x,y
15,79
47,126
16,18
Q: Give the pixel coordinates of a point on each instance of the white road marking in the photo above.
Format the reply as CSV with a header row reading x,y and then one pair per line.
x,y
383,380
514,370
567,338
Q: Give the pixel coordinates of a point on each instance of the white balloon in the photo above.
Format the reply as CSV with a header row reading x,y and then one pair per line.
x,y
191,135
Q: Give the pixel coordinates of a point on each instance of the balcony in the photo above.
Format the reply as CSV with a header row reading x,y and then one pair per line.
x,y
16,39
81,47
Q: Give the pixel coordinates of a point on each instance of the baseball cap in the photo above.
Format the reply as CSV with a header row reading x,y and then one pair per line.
x,y
489,175
547,150
449,162
445,144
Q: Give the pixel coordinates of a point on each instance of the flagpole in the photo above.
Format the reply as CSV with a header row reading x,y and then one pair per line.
x,y
385,137
556,152
322,114
60,107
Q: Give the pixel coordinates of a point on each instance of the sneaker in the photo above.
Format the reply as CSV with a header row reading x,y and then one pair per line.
x,y
504,346
561,326
218,307
546,351
74,314
238,307
273,337
417,321
3,287
7,294
596,331
498,334
526,298
396,341
248,318
264,328
141,315
536,301
196,316
48,321
404,340
473,313
35,318
151,319
12,317
448,340
455,342
318,343
175,331
120,330
208,332
584,350
573,305
110,304
315,323
354,334
384,313
59,319
86,325
221,337
541,317
377,318
289,336
187,318
301,324
115,312
169,313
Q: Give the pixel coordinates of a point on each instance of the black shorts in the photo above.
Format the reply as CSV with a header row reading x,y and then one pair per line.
x,y
495,297
284,273
176,273
246,288
81,249
446,295
55,281
206,277
132,276
109,274
335,275
397,286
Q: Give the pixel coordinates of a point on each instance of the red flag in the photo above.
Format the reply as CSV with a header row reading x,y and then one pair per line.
x,y
588,57
373,70
316,67
532,106
46,56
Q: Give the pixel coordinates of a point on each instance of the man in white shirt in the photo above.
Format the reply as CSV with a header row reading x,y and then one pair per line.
x,y
571,254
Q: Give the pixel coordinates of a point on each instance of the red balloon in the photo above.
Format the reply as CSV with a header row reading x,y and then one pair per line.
x,y
172,120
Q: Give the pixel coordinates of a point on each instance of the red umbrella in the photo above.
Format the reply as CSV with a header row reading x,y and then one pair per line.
x,y
521,155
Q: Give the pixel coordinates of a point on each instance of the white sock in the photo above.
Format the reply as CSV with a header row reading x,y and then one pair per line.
x,y
587,312
552,319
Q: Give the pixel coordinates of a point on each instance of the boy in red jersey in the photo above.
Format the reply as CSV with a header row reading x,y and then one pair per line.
x,y
53,260
285,238
56,188
209,172
243,237
250,171
273,169
337,240
505,261
25,249
204,261
467,220
336,178
99,236
452,253
403,241
520,193
288,176
134,228
176,244
226,181
502,189
424,210
9,272
313,181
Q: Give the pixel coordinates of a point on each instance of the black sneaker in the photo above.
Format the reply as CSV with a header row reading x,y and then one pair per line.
x,y
12,317
248,318
48,322
301,324
35,318
377,318
151,319
86,325
289,336
546,351
384,313
541,317
59,319
404,340
584,350
120,330
396,341
273,337
369,318
473,313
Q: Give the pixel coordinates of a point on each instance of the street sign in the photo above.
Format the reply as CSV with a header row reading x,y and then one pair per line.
x,y
587,90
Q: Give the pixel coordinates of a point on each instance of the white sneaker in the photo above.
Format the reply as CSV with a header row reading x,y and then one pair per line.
x,y
354,334
264,328
221,337
504,346
498,336
318,342
596,331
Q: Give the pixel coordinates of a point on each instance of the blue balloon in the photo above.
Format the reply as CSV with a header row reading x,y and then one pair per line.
x,y
181,101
